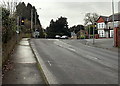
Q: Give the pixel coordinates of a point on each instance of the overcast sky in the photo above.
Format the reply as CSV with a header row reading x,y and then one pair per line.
x,y
73,10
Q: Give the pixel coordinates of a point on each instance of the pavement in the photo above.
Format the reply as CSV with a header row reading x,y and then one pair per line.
x,y
71,62
101,43
22,67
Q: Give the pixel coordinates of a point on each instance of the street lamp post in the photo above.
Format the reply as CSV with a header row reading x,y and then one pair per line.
x,y
36,19
32,22
113,19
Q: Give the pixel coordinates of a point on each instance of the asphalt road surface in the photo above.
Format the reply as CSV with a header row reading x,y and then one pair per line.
x,y
71,62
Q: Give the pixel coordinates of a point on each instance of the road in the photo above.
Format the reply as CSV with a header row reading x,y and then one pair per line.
x,y
71,62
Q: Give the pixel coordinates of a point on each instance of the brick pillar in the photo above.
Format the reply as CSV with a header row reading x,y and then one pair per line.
x,y
117,37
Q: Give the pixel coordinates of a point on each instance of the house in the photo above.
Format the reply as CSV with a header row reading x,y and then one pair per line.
x,y
82,34
102,27
116,22
105,25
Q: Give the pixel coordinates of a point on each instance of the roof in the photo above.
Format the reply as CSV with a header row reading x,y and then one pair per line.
x,y
116,17
109,19
104,18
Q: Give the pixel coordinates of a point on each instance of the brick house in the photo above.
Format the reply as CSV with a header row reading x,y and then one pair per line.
x,y
105,25
102,26
116,21
82,34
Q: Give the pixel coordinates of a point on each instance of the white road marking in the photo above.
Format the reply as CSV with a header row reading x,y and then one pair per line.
x,y
49,63
24,78
71,49
64,45
92,57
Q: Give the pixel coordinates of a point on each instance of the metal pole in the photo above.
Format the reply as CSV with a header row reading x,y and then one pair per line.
x,y
35,24
20,29
93,34
35,20
89,31
31,22
17,31
93,30
84,34
113,19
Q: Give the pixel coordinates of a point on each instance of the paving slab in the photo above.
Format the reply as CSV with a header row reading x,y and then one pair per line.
x,y
22,67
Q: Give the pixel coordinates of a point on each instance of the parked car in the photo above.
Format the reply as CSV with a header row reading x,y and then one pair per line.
x,y
57,36
64,37
36,34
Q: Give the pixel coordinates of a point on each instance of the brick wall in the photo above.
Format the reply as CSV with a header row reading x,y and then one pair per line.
x,y
117,37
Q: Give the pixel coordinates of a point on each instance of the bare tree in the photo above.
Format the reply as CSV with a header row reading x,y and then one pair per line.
x,y
90,18
10,5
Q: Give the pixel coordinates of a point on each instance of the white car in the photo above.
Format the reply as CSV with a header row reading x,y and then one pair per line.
x,y
57,36
36,34
64,37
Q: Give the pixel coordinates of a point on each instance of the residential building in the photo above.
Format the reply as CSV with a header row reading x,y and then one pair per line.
x,y
82,34
103,30
105,25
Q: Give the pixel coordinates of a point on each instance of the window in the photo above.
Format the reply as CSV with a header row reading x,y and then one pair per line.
x,y
102,33
112,34
98,25
102,26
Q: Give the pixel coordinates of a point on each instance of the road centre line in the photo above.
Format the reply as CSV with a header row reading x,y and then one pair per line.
x,y
64,45
71,49
92,57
